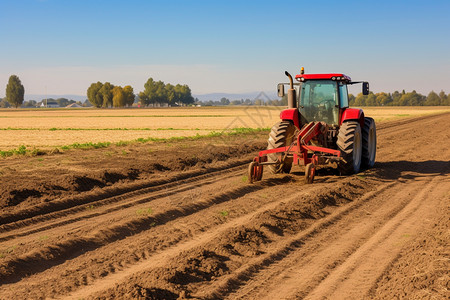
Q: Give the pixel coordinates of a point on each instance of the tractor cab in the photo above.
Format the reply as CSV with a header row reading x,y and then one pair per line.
x,y
319,97
318,100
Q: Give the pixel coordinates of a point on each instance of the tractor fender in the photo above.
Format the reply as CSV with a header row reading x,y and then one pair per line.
x,y
353,114
292,115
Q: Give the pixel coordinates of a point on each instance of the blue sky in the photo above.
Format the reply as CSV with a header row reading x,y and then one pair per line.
x,y
62,46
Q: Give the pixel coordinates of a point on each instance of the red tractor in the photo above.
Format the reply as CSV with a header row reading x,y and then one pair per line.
x,y
318,128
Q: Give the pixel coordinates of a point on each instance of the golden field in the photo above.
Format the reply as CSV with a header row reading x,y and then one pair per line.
x,y
45,129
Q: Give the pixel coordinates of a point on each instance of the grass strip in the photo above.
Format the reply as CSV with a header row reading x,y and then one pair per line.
x,y
23,150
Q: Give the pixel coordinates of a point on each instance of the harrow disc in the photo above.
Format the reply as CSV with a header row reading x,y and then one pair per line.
x,y
255,172
310,172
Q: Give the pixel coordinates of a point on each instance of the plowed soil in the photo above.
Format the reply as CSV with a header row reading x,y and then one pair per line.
x,y
178,220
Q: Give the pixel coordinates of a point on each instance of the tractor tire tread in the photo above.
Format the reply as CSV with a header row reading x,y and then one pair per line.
x,y
277,138
345,143
367,159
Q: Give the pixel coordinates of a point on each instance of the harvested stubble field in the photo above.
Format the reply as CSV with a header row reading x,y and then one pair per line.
x,y
47,129
177,220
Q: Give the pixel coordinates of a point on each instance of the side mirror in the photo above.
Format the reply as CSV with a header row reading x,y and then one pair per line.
x,y
280,88
365,88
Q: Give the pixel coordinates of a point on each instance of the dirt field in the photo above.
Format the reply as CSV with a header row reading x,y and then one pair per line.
x,y
178,220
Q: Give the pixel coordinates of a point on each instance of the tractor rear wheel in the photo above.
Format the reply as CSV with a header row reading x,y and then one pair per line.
x,y
281,135
349,142
369,143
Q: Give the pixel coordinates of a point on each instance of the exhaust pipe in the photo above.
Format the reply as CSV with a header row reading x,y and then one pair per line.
x,y
292,98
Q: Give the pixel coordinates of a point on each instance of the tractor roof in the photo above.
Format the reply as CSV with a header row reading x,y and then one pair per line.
x,y
333,76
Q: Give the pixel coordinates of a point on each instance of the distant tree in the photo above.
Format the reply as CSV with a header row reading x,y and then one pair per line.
x,y
31,103
107,93
224,101
154,92
4,103
186,94
159,92
433,99
15,91
351,99
63,102
118,97
411,99
171,96
129,95
396,98
95,97
143,98
371,99
178,90
383,99
360,100
444,98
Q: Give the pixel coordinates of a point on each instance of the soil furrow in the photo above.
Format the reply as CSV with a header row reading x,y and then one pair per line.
x,y
153,246
57,253
125,203
58,208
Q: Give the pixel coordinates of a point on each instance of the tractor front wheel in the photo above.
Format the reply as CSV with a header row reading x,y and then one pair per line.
x,y
281,135
349,142
369,143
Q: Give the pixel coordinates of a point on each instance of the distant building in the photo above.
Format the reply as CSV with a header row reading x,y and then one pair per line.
x,y
49,104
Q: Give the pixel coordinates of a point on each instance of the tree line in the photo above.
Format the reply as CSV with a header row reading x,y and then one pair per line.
x,y
108,95
379,99
400,99
157,92
258,102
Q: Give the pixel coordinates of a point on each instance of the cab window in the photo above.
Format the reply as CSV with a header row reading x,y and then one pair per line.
x,y
343,95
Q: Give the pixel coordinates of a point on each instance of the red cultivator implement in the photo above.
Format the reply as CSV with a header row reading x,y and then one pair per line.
x,y
321,131
298,150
